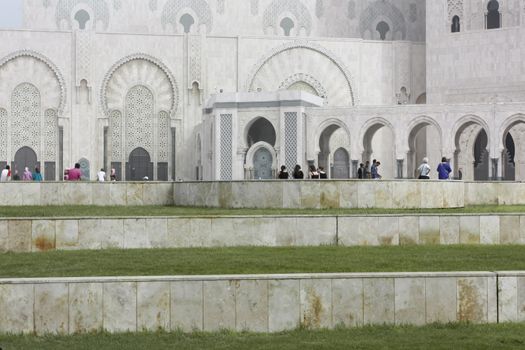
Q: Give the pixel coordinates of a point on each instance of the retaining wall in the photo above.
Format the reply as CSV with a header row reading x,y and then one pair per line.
x,y
256,303
33,235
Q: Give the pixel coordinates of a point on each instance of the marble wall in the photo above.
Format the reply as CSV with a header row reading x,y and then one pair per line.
x,y
36,235
259,303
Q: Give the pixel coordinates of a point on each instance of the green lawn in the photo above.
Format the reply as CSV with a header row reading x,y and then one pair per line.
x,y
133,211
262,261
446,337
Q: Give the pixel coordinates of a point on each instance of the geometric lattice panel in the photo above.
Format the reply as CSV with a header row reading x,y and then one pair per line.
x,y
65,7
226,134
3,135
139,119
115,131
25,118
379,10
163,137
290,140
50,135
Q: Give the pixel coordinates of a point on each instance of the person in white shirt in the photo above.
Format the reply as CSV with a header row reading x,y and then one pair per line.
x,y
101,175
6,174
424,170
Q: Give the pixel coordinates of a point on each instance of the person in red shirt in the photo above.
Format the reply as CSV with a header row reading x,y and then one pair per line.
x,y
75,174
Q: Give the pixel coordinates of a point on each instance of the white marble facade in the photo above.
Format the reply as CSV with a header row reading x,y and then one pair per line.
x,y
232,89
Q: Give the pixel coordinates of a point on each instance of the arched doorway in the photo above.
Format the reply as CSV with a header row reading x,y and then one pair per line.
x,y
139,165
513,157
424,140
262,164
471,157
378,143
341,169
25,157
261,130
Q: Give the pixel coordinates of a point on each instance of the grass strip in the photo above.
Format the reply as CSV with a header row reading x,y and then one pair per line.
x,y
445,337
221,261
134,211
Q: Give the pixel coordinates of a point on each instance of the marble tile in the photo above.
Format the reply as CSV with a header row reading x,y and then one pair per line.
x,y
431,195
520,289
348,227
251,306
157,232
348,197
410,301
449,229
472,299
186,306
469,232
51,194
153,306
509,229
179,234
85,307
16,303
266,230
88,234
286,237
43,235
4,236
111,233
310,194
316,231
508,299
388,234
330,194
118,193
284,309
378,301
440,299
408,230
292,194
489,229
429,230
383,194
406,194
366,194
51,308
120,307
134,194
20,236
316,303
100,193
66,234
347,300
135,235
219,305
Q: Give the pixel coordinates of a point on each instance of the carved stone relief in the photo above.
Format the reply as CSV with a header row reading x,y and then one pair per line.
x,y
381,11
25,117
172,10
274,12
99,7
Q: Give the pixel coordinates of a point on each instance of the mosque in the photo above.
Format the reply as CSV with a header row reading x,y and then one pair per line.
x,y
233,89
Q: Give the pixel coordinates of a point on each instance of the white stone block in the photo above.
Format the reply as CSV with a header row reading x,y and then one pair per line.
x,y
472,299
410,301
157,232
153,306
489,229
16,305
120,307
4,236
283,305
441,299
508,299
316,303
135,235
67,234
449,229
252,306
378,301
43,235
347,299
51,308
219,305
186,306
85,307
408,230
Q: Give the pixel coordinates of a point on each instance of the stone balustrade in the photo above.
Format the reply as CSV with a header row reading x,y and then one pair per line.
x,y
258,303
34,235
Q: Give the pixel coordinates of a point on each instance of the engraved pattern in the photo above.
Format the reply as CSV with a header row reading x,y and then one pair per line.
x,y
306,78
194,58
84,50
3,134
163,137
351,10
220,6
115,130
380,9
290,139
139,119
171,13
99,7
319,8
226,147
25,120
117,4
455,8
153,5
254,7
273,14
50,135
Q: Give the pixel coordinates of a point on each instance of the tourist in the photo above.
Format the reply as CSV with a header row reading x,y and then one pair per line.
x,y
368,174
444,169
113,175
314,175
283,174
361,171
101,175
322,174
298,173
374,170
75,174
27,176
424,170
37,176
16,176
6,174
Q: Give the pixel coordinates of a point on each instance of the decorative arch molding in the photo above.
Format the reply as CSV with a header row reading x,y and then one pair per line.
x,y
326,124
249,124
371,123
99,7
470,119
378,10
54,69
256,147
306,78
173,10
506,126
455,8
305,44
425,121
172,88
274,14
